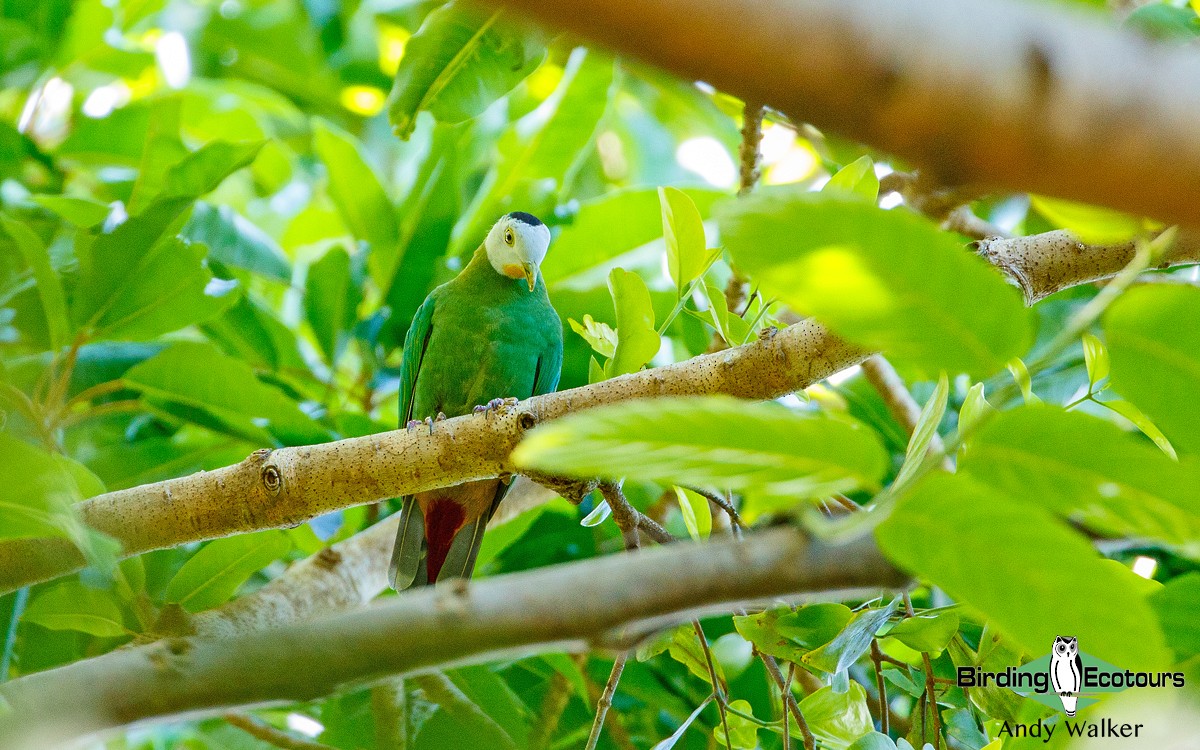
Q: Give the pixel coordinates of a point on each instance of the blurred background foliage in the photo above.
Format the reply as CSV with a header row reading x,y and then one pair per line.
x,y
219,219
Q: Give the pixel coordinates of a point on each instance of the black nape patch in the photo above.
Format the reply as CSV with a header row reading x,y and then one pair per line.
x,y
525,218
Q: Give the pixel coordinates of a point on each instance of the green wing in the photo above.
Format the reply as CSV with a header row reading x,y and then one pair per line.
x,y
415,344
549,368
410,537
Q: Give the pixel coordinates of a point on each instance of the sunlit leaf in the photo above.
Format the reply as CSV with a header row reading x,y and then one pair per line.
x,y
458,63
1154,348
926,428
837,719
951,530
697,515
235,241
1091,224
1095,358
713,442
888,280
857,179
852,642
683,231
927,632
637,341
1142,422
1090,471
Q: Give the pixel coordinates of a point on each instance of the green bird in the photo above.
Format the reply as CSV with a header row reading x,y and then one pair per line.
x,y
479,341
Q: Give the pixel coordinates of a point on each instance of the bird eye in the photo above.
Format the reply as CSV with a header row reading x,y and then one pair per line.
x,y
508,236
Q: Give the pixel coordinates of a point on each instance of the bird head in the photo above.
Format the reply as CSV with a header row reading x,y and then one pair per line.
x,y
516,246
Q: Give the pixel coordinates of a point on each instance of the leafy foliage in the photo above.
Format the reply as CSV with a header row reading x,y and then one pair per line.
x,y
212,241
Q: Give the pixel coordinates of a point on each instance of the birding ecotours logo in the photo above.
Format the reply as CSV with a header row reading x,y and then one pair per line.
x,y
1066,679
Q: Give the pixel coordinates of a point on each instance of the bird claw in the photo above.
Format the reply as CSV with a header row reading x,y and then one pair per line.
x,y
768,332
429,422
498,405
413,424
441,417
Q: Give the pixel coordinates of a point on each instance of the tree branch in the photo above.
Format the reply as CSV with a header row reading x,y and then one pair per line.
x,y
1026,106
563,606
1043,264
285,487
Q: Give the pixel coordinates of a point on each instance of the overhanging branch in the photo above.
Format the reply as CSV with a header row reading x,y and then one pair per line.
x,y
1015,95
550,608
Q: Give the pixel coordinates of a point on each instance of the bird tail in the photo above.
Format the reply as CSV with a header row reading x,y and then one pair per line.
x,y
436,543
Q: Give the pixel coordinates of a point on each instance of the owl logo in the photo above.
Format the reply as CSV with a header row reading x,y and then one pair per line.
x,y
1066,671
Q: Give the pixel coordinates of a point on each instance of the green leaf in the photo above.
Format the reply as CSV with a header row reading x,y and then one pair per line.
x,y
711,442
837,720
1095,358
1020,373
82,212
600,336
927,632
1091,224
685,648
887,280
331,298
201,171
360,198
743,733
925,429
697,516
49,286
683,231
73,606
1029,573
852,642
1088,470
1154,346
457,64
1176,604
501,537
541,153
38,489
235,241
216,572
974,410
873,741
637,341
1142,422
610,226
855,180
202,385
790,634
136,284
671,741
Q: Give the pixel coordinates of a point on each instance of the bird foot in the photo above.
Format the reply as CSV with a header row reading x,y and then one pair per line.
x,y
413,424
768,332
497,405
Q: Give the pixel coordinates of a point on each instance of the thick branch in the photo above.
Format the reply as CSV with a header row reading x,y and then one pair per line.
x,y
1043,264
282,488
564,606
1027,106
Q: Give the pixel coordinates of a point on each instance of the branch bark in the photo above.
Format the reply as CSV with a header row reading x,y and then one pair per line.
x,y
563,606
286,487
1049,100
1043,264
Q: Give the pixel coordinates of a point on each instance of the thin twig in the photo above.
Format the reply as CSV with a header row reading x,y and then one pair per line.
x,y
789,700
930,685
261,730
558,693
389,706
876,656
787,688
723,503
718,688
605,701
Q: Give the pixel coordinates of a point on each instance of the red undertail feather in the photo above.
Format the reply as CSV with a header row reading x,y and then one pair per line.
x,y
443,519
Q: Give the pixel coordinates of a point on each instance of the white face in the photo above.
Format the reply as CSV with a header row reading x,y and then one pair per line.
x,y
517,248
